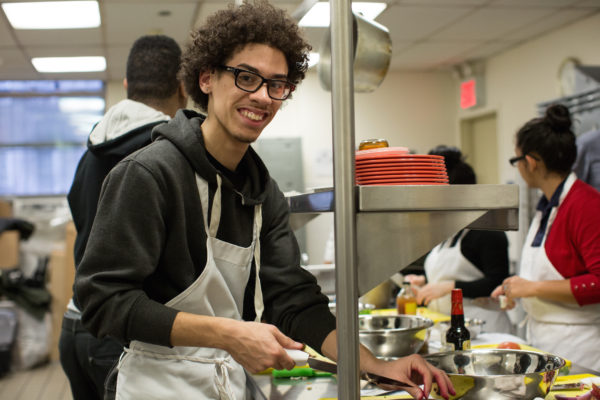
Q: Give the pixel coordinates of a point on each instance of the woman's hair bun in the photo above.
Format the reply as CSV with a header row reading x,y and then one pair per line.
x,y
558,117
452,155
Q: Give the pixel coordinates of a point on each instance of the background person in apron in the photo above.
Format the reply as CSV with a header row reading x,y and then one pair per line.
x,y
559,278
474,261
191,260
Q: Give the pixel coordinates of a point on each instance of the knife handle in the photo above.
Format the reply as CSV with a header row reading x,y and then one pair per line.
x,y
300,357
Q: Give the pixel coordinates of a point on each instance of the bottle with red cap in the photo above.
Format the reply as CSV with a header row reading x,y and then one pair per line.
x,y
458,336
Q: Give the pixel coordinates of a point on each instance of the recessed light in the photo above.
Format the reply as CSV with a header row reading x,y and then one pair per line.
x,y
318,15
53,15
69,64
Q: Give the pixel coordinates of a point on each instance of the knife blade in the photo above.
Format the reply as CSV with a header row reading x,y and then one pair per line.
x,y
323,365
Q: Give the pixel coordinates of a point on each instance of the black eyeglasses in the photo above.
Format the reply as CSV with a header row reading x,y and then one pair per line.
x,y
516,159
248,81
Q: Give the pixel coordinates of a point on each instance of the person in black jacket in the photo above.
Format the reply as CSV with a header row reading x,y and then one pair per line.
x,y
154,94
475,261
191,260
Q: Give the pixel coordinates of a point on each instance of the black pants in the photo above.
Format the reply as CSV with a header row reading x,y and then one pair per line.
x,y
85,359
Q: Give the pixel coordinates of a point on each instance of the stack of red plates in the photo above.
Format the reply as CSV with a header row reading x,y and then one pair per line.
x,y
395,166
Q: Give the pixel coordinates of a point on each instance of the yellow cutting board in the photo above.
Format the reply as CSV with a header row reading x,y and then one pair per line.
x,y
569,379
422,311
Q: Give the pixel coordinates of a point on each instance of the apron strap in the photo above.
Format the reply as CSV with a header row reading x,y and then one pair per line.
x,y
215,215
258,296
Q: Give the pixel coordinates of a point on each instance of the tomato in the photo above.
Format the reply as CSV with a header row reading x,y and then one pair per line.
x,y
509,345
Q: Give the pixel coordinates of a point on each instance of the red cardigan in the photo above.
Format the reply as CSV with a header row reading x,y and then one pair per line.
x,y
573,243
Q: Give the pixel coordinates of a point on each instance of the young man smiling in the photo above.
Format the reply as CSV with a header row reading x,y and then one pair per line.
x,y
191,260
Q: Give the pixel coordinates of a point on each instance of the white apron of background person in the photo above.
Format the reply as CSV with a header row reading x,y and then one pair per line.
x,y
566,330
446,263
148,371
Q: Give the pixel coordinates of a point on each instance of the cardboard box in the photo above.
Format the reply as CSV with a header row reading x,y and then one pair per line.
x,y
61,270
9,249
5,209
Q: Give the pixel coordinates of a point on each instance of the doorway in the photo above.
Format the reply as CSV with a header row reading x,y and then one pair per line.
x,y
479,145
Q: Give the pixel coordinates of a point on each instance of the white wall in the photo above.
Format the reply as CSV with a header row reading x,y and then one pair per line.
x,y
415,110
520,78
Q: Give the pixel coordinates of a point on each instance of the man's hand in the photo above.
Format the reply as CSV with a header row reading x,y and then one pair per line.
x,y
257,346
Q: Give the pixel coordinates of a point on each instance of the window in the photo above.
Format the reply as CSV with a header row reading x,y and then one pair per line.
x,y
44,127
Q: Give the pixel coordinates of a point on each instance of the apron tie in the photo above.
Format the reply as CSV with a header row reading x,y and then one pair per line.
x,y
223,384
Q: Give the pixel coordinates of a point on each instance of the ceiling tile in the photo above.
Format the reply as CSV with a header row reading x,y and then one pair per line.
x,y
587,3
430,54
414,23
6,38
548,23
15,65
65,51
534,3
491,23
121,30
487,49
117,60
445,3
48,37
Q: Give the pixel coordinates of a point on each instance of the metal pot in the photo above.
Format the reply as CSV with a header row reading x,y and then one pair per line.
x,y
492,374
392,336
372,55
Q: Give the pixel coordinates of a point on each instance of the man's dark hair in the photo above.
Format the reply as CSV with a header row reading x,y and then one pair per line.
x,y
152,68
228,31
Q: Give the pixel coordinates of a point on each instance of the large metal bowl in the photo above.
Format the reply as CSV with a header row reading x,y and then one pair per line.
x,y
497,374
392,336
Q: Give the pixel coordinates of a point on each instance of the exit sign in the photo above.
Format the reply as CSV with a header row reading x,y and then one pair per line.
x,y
468,94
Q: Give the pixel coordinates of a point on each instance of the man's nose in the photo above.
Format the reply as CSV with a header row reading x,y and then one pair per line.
x,y
262,93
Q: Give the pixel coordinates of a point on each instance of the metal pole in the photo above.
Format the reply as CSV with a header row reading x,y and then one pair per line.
x,y
346,286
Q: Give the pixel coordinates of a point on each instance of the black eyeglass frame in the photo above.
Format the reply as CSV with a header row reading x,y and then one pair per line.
x,y
236,72
516,159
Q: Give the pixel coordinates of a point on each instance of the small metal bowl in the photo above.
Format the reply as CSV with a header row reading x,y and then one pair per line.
x,y
498,374
392,336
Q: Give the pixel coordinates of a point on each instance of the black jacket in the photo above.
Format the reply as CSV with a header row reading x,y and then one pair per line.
x,y
125,128
147,244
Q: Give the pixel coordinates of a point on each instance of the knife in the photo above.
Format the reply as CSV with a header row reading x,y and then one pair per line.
x,y
302,358
327,366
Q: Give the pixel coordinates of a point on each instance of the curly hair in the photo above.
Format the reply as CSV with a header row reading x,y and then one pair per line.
x,y
152,67
228,31
459,172
551,138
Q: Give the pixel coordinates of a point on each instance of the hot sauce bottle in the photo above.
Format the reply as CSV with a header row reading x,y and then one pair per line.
x,y
458,336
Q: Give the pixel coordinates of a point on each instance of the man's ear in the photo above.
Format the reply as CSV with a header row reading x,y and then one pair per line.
x,y
125,83
205,81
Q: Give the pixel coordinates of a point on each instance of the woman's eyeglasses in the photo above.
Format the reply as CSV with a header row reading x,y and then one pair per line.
x,y
250,82
516,159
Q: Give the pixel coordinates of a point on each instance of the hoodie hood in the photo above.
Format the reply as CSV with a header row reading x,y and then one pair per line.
x,y
125,127
185,133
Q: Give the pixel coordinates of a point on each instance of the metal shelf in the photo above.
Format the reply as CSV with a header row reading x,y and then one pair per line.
x,y
396,225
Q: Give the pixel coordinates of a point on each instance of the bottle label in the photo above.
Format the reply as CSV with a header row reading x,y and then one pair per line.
x,y
466,345
410,308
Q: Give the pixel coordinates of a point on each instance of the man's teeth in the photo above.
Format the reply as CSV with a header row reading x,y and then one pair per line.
x,y
252,116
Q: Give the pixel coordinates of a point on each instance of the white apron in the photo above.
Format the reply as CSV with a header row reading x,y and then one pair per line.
x,y
446,263
148,371
567,330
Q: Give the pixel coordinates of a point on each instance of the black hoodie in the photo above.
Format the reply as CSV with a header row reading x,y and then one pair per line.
x,y
147,244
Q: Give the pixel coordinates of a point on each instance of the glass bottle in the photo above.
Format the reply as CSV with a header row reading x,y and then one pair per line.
x,y
458,336
406,302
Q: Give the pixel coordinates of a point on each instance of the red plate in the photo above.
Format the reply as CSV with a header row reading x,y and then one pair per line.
x,y
401,184
380,151
420,167
400,180
403,174
411,159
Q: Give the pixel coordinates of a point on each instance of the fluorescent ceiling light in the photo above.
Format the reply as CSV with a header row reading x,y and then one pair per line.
x,y
313,59
69,64
318,15
53,15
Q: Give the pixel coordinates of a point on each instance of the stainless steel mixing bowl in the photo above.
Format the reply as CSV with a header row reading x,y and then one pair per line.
x,y
392,336
497,374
